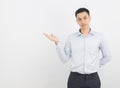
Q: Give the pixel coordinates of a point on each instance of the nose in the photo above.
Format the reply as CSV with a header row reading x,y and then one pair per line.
x,y
82,22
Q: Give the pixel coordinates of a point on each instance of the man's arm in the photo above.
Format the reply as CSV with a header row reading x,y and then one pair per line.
x,y
106,55
64,52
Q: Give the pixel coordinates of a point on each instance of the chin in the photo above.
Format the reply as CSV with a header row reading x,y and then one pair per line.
x,y
84,27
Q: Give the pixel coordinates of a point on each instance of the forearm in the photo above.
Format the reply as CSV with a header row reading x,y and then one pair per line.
x,y
61,53
105,60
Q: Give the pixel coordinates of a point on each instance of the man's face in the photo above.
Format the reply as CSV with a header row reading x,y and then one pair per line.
x,y
83,20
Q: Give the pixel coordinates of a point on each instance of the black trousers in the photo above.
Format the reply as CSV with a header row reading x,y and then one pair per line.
x,y
77,80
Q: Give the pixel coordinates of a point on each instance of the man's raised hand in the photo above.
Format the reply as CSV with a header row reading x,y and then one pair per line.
x,y
52,38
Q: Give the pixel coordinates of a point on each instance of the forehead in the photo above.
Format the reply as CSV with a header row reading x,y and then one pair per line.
x,y
82,14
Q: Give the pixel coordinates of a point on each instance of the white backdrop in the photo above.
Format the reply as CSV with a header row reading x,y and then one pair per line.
x,y
29,60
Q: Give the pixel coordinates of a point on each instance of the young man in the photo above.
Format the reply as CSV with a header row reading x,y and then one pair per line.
x,y
83,48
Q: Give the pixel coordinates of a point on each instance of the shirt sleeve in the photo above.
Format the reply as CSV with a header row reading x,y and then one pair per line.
x,y
106,55
64,52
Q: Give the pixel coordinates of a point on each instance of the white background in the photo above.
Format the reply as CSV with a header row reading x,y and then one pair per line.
x,y
29,60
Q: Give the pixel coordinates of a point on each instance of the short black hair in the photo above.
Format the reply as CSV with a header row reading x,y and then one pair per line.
x,y
80,10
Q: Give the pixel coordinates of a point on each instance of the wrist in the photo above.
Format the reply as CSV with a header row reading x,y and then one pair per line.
x,y
56,42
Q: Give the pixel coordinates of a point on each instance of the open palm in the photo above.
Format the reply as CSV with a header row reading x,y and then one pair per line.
x,y
51,37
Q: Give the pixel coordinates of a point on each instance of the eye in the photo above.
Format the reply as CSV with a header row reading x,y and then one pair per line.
x,y
79,19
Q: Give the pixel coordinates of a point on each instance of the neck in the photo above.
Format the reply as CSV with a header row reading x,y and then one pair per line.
x,y
85,31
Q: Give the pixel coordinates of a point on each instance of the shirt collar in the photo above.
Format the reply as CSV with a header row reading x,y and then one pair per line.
x,y
90,33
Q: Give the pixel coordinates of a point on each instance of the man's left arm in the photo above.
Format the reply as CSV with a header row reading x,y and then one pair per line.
x,y
106,55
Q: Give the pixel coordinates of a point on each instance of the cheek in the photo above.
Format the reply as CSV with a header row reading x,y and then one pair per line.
x,y
79,22
87,21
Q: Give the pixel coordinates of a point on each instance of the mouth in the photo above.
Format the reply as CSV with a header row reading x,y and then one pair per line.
x,y
83,25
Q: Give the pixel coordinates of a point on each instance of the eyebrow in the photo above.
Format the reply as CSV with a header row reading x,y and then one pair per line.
x,y
80,18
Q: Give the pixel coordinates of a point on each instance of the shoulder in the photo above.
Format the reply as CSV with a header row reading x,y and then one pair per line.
x,y
97,34
73,34
100,36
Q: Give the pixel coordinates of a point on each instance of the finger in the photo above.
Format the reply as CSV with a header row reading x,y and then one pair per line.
x,y
46,35
51,34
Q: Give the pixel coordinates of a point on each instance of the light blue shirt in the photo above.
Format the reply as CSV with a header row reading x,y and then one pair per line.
x,y
87,53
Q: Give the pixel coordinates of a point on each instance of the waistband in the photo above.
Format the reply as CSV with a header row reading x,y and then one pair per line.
x,y
76,73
